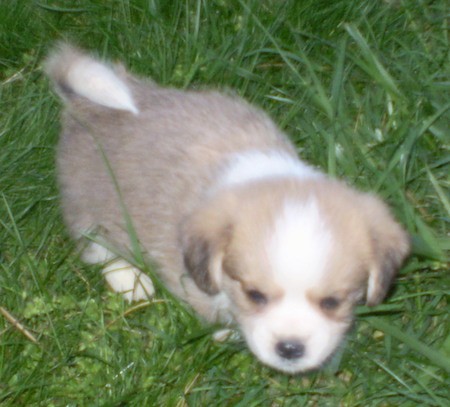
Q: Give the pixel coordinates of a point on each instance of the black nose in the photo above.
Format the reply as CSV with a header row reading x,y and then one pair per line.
x,y
291,349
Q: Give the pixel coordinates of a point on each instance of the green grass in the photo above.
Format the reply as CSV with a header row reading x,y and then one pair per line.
x,y
361,86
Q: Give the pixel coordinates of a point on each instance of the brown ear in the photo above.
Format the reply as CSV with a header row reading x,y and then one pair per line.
x,y
204,237
390,247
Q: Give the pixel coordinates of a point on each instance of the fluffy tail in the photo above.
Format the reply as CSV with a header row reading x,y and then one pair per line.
x,y
77,74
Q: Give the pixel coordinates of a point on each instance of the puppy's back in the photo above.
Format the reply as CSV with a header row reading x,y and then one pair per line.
x,y
163,147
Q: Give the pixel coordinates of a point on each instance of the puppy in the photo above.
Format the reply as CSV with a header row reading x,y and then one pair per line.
x,y
238,226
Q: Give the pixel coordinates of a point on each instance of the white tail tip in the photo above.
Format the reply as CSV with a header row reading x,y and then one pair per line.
x,y
91,79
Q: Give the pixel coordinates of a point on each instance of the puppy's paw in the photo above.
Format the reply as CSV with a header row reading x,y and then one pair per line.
x,y
126,279
226,334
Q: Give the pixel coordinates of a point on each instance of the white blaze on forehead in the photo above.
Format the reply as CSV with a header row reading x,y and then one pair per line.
x,y
255,165
299,246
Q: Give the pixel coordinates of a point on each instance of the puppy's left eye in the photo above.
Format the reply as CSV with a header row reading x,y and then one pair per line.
x,y
329,303
257,297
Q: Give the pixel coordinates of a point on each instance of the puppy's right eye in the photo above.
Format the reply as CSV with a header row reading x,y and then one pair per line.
x,y
257,297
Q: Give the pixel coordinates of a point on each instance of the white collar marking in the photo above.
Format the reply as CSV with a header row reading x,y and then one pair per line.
x,y
255,165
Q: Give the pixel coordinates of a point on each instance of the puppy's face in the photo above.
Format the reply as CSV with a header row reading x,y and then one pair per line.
x,y
293,261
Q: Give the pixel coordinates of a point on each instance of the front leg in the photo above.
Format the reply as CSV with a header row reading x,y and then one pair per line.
x,y
121,276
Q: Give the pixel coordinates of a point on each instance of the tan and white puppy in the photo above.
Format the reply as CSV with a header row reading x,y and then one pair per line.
x,y
237,225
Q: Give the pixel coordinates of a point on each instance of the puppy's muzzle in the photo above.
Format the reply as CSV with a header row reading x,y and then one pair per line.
x,y
290,349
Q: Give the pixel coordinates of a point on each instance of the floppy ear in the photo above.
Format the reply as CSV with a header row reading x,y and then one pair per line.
x,y
390,247
204,238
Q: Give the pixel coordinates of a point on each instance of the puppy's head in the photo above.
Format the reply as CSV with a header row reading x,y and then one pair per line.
x,y
293,258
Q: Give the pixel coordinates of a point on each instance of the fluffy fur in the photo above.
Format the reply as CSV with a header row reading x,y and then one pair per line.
x,y
237,225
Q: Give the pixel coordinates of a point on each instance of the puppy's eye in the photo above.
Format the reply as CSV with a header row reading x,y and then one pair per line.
x,y
329,303
257,297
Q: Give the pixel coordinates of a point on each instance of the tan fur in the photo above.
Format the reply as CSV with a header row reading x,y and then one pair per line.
x,y
206,239
177,142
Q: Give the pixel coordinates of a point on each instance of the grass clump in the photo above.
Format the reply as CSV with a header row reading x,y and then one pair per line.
x,y
361,87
